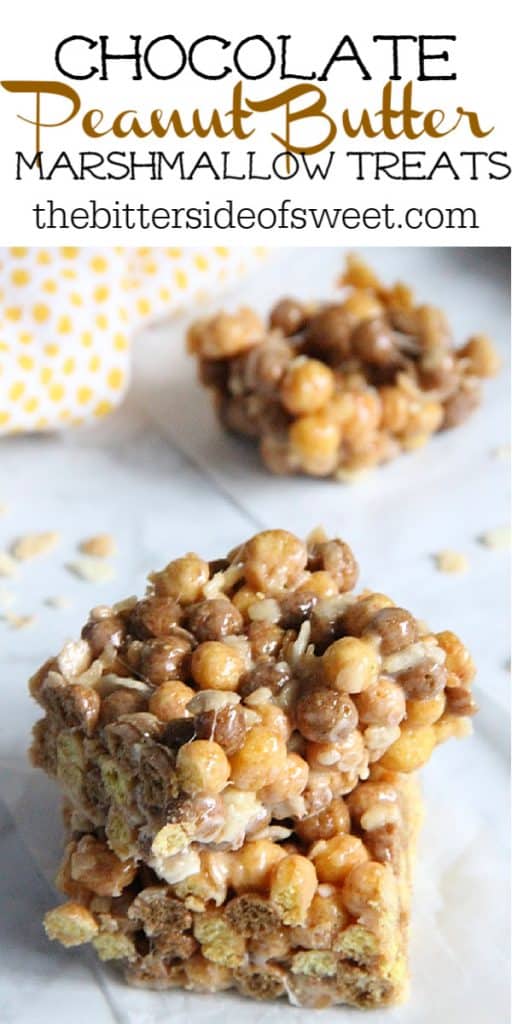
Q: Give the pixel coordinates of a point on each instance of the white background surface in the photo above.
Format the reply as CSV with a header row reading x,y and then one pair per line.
x,y
162,477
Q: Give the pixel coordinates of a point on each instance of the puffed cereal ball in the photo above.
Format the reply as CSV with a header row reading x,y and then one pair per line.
x,y
370,887
357,616
226,334
170,700
315,441
326,824
483,358
325,715
411,750
217,666
273,561
183,579
334,858
381,704
260,759
307,386
395,627
362,305
290,783
350,665
288,315
294,883
426,712
202,767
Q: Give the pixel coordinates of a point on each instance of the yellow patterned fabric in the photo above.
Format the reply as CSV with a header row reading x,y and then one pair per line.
x,y
68,315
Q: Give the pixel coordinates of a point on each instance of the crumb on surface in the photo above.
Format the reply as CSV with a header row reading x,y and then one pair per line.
x,y
451,561
497,539
101,545
502,451
33,545
18,621
8,565
91,570
4,509
7,599
59,602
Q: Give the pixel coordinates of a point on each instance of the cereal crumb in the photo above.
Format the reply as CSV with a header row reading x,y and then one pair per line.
x,y
91,570
59,602
451,561
102,545
32,545
7,599
502,452
8,566
497,539
3,509
18,621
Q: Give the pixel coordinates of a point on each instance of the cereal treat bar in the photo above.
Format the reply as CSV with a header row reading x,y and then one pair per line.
x,y
321,917
229,727
332,389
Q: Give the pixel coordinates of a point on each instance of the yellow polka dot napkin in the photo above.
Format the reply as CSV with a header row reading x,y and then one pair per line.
x,y
67,317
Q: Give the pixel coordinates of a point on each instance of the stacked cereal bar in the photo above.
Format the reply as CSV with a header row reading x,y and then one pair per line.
x,y
321,918
237,752
333,389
